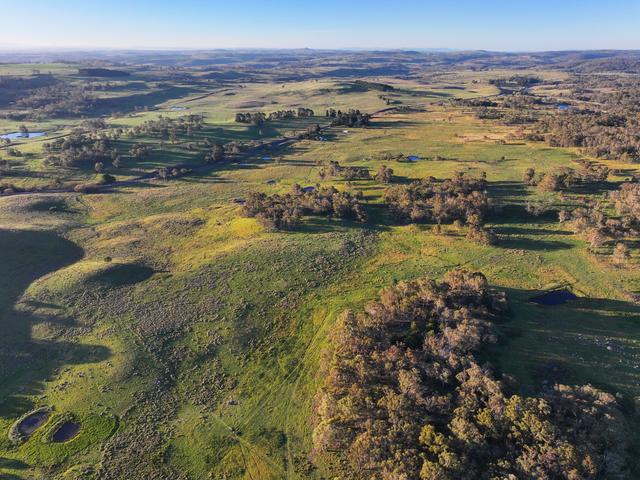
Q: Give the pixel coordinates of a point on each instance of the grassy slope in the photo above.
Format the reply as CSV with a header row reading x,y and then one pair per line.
x,y
232,306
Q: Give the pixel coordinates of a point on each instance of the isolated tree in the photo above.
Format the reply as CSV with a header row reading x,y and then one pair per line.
x,y
621,253
529,176
218,152
99,167
384,174
549,183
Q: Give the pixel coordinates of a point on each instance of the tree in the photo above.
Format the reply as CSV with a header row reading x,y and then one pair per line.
x,y
218,152
529,176
549,183
621,253
384,174
99,167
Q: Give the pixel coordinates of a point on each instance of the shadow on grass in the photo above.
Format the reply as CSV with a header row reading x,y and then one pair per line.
x,y
26,362
13,464
511,230
121,274
317,224
520,243
507,189
587,340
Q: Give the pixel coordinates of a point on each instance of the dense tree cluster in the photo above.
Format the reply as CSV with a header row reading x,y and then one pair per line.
x,y
514,109
601,134
567,178
256,118
334,169
285,211
351,118
78,149
312,132
430,200
404,397
305,112
169,128
516,81
13,87
626,201
217,154
59,99
596,222
281,114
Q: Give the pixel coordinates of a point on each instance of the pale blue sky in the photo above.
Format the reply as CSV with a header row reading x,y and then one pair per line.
x,y
462,24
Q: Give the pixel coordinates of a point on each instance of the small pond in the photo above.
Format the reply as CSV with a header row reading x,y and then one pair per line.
x,y
66,432
33,422
554,297
18,135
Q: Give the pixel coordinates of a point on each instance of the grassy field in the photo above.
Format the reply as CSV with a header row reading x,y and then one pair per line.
x,y
185,338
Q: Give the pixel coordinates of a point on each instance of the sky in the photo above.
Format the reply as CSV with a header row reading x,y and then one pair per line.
x,y
500,25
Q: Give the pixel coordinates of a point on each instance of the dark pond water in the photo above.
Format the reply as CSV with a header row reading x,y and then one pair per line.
x,y
18,135
554,297
66,432
32,423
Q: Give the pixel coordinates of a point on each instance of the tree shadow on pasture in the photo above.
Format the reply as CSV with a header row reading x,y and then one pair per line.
x,y
26,362
587,340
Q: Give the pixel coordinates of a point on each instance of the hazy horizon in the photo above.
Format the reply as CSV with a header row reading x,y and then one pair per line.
x,y
498,25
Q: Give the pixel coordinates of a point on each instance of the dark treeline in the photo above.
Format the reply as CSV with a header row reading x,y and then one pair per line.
x,y
102,72
366,85
259,118
12,88
285,211
405,397
350,118
516,81
168,128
